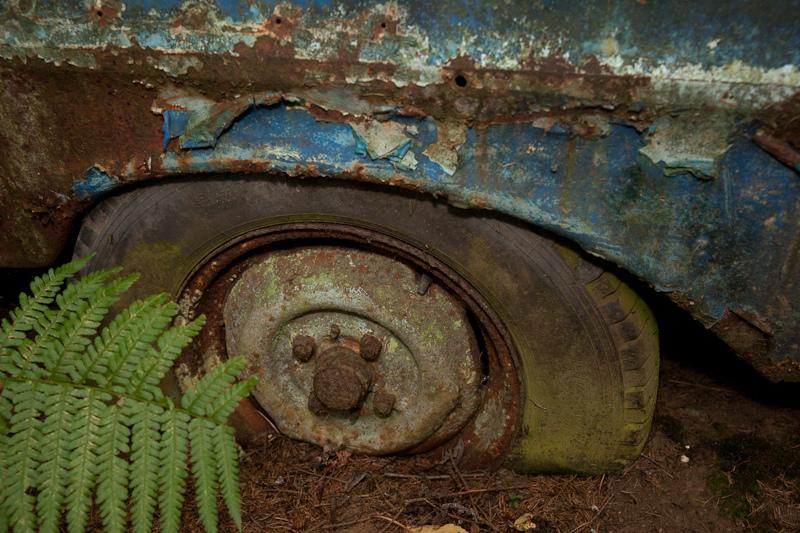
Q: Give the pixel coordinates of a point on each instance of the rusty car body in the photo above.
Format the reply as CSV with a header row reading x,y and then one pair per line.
x,y
663,137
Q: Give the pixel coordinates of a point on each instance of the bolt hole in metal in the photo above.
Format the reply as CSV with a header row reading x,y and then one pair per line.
x,y
360,341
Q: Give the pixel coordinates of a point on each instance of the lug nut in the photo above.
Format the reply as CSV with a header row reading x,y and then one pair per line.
x,y
303,348
370,347
383,403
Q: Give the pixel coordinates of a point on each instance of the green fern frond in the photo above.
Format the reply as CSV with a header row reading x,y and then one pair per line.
x,y
97,358
5,414
221,407
145,425
204,468
174,452
228,470
54,434
80,327
200,398
32,308
82,413
89,406
136,345
21,454
112,480
152,369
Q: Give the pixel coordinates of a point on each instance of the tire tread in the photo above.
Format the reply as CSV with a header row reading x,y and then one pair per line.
x,y
635,335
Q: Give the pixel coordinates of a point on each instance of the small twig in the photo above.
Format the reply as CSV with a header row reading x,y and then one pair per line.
x,y
272,425
467,492
391,521
354,482
542,407
284,491
457,472
476,510
658,465
347,524
429,477
395,517
592,519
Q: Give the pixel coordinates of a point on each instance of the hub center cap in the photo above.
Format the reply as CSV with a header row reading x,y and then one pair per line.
x,y
342,379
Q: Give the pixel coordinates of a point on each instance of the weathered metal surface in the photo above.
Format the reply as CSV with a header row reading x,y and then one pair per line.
x,y
427,361
662,140
485,440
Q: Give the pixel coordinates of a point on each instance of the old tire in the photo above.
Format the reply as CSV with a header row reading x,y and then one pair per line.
x,y
586,345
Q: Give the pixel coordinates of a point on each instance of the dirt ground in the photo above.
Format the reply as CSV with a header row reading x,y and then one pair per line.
x,y
723,455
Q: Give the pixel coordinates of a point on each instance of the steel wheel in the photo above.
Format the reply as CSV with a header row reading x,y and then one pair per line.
x,y
388,323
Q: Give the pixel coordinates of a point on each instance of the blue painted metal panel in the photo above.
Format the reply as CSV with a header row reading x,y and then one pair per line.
x,y
662,136
683,234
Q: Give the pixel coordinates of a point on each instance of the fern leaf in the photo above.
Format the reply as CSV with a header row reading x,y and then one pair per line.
x,y
5,420
31,308
3,518
173,468
135,346
221,408
204,470
50,322
144,419
17,362
145,380
89,407
5,414
98,357
55,434
80,417
81,325
112,480
228,471
201,397
21,451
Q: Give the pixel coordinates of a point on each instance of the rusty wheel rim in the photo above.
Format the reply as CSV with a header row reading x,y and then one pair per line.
x,y
481,421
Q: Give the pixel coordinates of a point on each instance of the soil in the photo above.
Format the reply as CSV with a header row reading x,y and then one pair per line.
x,y
723,455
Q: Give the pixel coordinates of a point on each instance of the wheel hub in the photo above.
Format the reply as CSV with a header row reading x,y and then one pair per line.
x,y
350,352
342,379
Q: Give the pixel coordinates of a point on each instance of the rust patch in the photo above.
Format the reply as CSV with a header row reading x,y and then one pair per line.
x,y
780,149
104,14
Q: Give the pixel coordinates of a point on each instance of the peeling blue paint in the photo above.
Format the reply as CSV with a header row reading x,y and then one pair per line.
x,y
696,237
93,183
174,124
